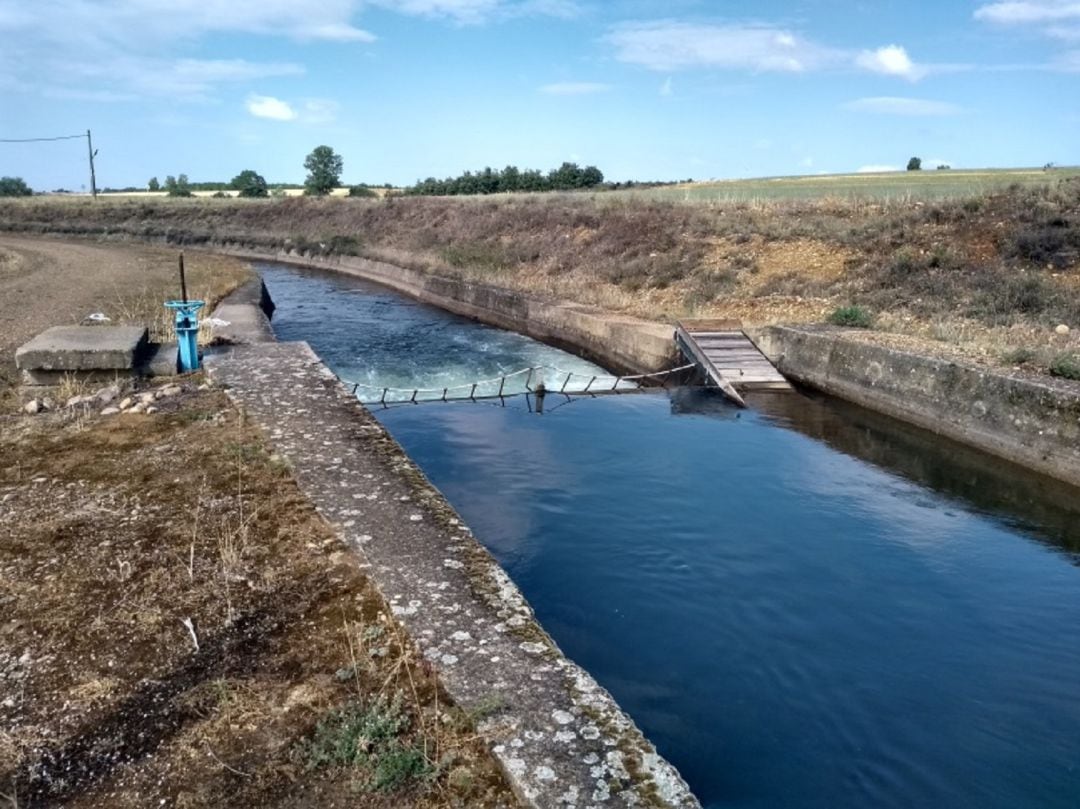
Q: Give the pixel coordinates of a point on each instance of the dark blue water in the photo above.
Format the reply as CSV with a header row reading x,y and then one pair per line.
x,y
802,604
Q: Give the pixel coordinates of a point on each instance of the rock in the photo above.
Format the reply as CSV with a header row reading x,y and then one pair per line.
x,y
151,409
110,411
75,401
138,408
48,404
1062,330
147,398
106,395
126,402
170,390
33,407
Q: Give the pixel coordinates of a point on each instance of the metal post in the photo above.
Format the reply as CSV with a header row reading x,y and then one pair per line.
x,y
92,153
183,280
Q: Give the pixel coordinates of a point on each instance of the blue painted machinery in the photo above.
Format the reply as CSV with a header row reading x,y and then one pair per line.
x,y
187,326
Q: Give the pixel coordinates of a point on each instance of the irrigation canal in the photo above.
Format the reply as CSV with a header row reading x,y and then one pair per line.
x,y
803,604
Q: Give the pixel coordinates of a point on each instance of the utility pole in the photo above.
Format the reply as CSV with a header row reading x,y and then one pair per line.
x,y
92,153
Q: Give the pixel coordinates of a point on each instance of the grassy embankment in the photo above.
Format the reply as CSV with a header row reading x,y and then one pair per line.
x,y
986,275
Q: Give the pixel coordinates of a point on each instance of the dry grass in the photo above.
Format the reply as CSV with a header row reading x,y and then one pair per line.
x,y
115,539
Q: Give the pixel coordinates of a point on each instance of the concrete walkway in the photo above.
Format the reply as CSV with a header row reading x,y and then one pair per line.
x,y
561,738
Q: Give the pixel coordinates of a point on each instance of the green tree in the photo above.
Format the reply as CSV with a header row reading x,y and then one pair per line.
x,y
250,184
361,190
915,164
14,187
324,171
178,186
153,185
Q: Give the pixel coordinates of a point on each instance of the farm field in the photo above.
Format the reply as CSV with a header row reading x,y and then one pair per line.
x,y
894,185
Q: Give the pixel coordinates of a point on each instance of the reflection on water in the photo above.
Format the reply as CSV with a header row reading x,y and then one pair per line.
x,y
802,604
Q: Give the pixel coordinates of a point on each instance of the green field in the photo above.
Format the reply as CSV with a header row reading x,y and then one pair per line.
x,y
891,186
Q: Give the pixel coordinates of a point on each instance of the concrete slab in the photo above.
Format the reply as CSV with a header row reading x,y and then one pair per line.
x,y
561,738
84,348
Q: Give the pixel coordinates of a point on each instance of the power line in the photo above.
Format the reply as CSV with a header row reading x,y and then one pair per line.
x,y
90,150
39,140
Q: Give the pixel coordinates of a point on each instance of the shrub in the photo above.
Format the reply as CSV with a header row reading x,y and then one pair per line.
x,y
852,316
14,187
1067,366
361,191
250,184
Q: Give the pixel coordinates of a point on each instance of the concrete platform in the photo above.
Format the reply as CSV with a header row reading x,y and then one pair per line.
x,y
84,348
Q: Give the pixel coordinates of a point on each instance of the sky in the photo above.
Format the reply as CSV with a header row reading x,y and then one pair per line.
x,y
643,89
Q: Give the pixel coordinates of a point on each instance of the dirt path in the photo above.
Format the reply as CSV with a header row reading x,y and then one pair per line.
x,y
47,283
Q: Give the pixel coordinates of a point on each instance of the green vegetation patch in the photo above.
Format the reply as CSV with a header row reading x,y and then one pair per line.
x,y
1067,366
852,316
372,739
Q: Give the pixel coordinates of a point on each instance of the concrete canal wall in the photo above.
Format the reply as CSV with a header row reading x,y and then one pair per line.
x,y
619,342
562,740
1029,421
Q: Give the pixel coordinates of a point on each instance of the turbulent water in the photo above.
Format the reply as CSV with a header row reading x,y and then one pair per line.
x,y
802,604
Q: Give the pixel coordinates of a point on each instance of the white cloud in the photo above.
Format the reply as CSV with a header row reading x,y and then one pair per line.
x,y
314,111
876,169
574,88
1032,11
672,45
892,105
891,60
269,107
473,12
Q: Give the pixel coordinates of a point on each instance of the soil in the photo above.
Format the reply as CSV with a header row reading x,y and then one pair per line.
x,y
176,620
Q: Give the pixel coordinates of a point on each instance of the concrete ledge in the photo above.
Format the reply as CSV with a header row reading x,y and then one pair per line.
x,y
560,737
622,343
247,310
84,348
1033,423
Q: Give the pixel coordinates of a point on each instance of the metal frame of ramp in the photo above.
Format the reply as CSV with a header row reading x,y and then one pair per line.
x,y
728,358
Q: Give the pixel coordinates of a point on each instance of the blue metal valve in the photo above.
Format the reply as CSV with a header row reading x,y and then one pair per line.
x,y
187,333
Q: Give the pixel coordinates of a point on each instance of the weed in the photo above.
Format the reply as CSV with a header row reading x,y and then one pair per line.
x,y
852,316
1067,366
476,255
1018,356
368,737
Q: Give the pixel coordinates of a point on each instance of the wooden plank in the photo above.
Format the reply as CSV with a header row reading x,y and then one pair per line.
x,y
690,347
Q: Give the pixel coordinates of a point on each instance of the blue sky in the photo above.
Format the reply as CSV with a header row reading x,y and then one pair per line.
x,y
404,89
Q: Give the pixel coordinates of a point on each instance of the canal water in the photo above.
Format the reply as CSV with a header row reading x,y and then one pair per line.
x,y
801,604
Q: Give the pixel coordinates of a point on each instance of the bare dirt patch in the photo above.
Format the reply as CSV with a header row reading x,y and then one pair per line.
x,y
47,283
179,627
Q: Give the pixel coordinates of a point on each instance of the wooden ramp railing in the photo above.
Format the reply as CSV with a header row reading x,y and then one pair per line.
x,y
728,357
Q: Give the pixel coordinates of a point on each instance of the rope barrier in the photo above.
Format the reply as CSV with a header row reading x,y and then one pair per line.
x,y
390,395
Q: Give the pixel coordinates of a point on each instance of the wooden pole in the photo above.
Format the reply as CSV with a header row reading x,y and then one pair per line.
x,y
91,152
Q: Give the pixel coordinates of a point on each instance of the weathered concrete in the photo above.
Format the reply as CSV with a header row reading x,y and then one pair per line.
x,y
561,738
619,342
1035,423
247,310
86,352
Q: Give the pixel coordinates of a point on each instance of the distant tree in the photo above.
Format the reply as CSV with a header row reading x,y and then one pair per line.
x,y
324,171
915,164
178,186
14,187
944,167
249,184
361,191
153,185
591,176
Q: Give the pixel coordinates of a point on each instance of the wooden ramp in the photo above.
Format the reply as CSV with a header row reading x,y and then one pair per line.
x,y
728,357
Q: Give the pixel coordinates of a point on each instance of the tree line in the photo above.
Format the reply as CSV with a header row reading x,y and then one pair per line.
x,y
568,177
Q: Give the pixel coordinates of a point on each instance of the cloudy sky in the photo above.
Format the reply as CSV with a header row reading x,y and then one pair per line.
x,y
643,89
